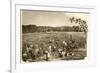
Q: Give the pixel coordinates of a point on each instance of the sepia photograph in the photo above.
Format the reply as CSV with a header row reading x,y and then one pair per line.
x,y
53,35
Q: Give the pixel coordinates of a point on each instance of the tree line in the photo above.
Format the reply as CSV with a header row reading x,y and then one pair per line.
x,y
34,28
81,27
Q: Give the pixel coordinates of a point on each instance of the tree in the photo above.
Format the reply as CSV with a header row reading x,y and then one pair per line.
x,y
72,19
83,26
76,28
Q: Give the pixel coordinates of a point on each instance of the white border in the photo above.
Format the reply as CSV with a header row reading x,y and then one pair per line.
x,y
15,40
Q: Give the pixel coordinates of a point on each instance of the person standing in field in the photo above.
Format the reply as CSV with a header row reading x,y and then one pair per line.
x,y
47,55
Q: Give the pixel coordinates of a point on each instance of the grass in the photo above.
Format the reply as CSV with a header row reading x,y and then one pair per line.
x,y
38,38
42,39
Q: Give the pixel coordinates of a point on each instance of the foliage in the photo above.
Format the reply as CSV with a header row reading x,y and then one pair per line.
x,y
52,42
82,27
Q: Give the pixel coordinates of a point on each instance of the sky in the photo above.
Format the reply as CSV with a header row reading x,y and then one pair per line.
x,y
48,18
